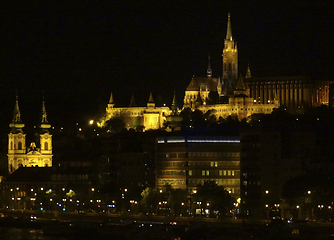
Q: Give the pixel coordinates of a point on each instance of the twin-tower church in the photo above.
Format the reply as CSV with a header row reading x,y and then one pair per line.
x,y
238,95
37,154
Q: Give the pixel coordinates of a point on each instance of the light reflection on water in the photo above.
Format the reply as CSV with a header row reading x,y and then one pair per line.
x,y
25,234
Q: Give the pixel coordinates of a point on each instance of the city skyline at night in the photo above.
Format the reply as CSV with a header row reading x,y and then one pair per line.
x,y
78,54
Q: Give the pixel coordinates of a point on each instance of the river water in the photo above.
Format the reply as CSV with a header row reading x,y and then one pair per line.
x,y
24,234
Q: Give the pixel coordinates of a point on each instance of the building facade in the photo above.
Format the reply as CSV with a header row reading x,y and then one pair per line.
x,y
19,155
261,94
232,90
151,116
187,161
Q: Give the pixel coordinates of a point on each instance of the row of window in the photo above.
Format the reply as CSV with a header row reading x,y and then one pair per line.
x,y
215,163
215,173
201,173
19,146
200,163
214,154
252,183
218,181
200,154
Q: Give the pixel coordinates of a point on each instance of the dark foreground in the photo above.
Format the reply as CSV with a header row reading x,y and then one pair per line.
x,y
115,228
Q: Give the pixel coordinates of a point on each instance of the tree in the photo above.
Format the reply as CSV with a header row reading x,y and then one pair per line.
x,y
115,125
312,192
214,197
175,200
149,199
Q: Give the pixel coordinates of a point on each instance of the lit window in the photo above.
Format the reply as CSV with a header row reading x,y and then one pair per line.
x,y
207,173
190,173
220,173
216,164
203,173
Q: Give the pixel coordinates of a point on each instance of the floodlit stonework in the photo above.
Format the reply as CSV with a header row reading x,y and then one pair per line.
x,y
151,116
19,155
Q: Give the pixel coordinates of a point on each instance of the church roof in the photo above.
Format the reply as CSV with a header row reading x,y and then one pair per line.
x,y
241,85
229,29
203,83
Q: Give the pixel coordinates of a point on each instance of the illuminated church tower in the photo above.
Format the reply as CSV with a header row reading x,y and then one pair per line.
x,y
16,140
45,138
21,156
230,59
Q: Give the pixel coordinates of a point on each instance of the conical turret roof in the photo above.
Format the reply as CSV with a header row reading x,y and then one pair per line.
x,y
16,123
229,28
44,122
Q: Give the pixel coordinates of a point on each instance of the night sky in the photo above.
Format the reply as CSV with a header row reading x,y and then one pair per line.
x,y
78,54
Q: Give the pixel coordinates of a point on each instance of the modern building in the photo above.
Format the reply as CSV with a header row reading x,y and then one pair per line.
x,y
19,155
269,159
187,161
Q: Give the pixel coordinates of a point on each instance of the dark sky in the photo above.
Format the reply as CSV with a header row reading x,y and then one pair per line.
x,y
78,54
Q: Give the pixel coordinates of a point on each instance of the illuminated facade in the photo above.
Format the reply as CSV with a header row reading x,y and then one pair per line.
x,y
291,91
151,116
21,156
260,94
184,162
233,91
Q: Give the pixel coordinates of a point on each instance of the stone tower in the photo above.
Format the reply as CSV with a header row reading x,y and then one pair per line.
x,y
16,140
45,138
230,58
21,156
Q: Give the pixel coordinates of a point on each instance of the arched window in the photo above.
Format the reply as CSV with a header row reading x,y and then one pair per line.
x,y
11,145
19,145
46,146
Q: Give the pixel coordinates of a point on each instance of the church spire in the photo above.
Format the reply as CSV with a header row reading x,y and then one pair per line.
x,y
151,103
16,123
248,72
44,115
209,70
241,85
111,99
230,58
229,28
150,100
132,102
44,122
174,105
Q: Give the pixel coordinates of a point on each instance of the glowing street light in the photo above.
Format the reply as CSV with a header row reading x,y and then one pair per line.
x,y
91,122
